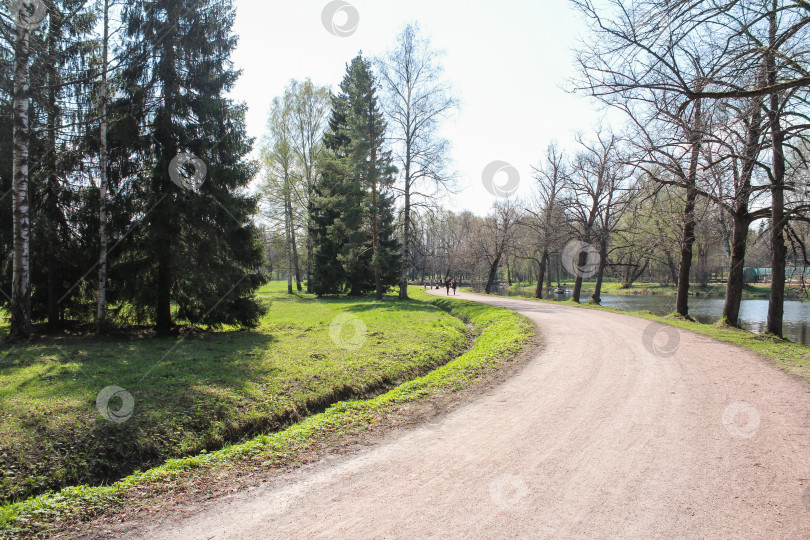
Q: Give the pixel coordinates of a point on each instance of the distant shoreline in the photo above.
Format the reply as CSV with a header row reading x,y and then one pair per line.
x,y
751,291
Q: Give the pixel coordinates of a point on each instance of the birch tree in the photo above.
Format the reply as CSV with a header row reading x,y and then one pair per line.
x,y
309,115
282,178
27,16
416,101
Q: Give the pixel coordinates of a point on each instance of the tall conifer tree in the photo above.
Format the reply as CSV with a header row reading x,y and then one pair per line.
x,y
198,247
353,219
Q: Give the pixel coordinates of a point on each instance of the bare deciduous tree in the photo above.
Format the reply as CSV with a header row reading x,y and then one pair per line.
x,y
698,52
496,235
416,101
546,214
591,193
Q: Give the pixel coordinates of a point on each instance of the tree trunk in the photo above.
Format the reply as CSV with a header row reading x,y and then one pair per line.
x,y
596,298
538,292
778,249
51,198
21,279
165,225
310,249
742,221
600,273
673,270
736,276
288,231
682,302
375,233
310,246
634,275
164,301
101,312
294,244
493,271
406,230
583,260
688,241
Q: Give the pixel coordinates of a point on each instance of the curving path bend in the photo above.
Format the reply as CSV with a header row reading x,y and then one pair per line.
x,y
611,430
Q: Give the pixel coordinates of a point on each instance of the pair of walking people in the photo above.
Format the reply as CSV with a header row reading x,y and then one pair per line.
x,y
448,283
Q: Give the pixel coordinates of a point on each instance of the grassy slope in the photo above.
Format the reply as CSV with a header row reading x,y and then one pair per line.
x,y
200,392
500,335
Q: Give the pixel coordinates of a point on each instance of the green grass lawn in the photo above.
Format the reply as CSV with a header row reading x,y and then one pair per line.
x,y
202,391
499,336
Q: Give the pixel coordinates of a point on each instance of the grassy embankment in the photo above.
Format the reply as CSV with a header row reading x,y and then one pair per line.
x,y
215,388
200,392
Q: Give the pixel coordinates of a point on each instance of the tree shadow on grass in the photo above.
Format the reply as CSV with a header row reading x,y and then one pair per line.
x,y
187,395
388,303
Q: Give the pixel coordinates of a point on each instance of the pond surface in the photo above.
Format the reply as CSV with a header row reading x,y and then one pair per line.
x,y
753,313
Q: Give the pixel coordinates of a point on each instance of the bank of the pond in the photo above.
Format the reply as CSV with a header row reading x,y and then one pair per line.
x,y
793,356
760,291
703,307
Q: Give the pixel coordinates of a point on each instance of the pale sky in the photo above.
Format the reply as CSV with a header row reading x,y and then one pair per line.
x,y
508,63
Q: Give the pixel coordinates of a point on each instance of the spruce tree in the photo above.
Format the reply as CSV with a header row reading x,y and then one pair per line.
x,y
197,247
336,206
372,165
355,245
61,75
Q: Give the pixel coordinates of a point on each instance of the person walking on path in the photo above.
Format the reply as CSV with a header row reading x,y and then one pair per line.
x,y
453,284
447,285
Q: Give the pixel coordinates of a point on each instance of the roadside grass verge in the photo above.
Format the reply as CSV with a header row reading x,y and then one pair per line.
x,y
205,389
500,334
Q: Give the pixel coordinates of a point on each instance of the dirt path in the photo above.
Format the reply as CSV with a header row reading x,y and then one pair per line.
x,y
613,430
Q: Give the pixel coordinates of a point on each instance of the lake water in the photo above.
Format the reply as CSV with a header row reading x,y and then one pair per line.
x,y
753,313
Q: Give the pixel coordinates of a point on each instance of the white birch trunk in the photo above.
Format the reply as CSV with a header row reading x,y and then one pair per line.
x,y
21,280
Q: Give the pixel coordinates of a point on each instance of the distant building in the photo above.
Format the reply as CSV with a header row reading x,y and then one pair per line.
x,y
763,275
